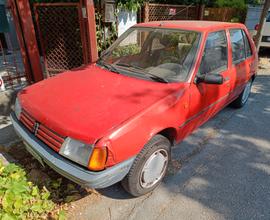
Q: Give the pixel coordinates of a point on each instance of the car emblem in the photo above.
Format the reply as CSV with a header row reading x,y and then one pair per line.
x,y
35,129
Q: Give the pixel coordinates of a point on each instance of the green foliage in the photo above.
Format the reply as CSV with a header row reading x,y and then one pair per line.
x,y
240,4
130,5
186,2
213,3
130,49
21,199
104,38
254,2
53,1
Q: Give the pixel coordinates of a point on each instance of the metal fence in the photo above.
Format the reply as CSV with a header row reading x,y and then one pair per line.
x,y
61,35
12,72
224,14
157,12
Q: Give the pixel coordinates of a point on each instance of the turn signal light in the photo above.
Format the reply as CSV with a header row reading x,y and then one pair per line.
x,y
98,159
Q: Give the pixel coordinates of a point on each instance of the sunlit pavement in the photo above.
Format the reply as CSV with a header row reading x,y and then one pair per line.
x,y
222,171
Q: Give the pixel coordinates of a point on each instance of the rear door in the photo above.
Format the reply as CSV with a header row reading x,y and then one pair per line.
x,y
250,58
206,99
241,61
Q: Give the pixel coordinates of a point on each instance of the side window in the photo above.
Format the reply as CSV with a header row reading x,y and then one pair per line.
x,y
238,45
247,45
215,56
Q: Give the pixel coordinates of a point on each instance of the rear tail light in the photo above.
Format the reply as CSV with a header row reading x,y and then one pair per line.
x,y
98,159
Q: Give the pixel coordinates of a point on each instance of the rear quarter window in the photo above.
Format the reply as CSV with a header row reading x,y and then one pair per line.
x,y
247,44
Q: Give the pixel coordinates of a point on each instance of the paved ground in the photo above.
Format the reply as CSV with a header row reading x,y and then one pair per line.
x,y
7,134
222,171
12,65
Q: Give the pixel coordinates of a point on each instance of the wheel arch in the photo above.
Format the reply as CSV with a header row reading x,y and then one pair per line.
x,y
169,133
253,77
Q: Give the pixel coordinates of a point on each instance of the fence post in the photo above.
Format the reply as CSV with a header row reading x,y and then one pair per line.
x,y
146,12
201,11
91,31
25,58
258,36
29,36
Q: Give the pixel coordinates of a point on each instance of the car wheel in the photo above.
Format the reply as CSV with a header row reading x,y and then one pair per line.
x,y
149,167
243,97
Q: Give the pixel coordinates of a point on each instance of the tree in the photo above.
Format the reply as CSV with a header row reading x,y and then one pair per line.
x,y
262,20
240,4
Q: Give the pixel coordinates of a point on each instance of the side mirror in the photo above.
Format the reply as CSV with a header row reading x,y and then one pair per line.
x,y
210,79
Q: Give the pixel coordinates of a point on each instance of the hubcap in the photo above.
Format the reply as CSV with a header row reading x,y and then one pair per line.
x,y
246,92
154,168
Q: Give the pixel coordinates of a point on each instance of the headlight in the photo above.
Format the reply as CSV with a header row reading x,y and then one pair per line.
x,y
76,151
17,108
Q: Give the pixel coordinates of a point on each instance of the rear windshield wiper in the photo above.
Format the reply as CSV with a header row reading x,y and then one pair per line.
x,y
152,76
107,66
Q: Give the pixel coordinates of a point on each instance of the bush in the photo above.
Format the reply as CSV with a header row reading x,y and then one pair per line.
x,y
128,50
239,4
21,199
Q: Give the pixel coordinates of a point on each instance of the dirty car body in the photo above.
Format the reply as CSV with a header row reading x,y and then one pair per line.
x,y
157,83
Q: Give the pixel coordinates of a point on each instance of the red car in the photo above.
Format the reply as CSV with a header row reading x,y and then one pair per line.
x,y
117,119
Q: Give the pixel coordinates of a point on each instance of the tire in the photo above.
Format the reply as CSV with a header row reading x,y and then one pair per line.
x,y
149,167
243,97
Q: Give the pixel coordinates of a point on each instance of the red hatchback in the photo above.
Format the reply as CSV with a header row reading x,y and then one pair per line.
x,y
117,119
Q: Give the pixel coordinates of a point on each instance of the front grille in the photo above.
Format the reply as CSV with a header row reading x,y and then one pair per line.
x,y
46,135
265,38
28,121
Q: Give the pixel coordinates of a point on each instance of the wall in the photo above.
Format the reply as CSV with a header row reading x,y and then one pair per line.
x,y
126,19
253,16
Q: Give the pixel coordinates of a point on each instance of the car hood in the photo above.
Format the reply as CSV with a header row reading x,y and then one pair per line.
x,y
87,103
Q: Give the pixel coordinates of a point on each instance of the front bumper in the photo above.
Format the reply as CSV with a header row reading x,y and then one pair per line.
x,y
67,168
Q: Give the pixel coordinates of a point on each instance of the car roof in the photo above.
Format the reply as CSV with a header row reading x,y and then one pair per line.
x,y
194,25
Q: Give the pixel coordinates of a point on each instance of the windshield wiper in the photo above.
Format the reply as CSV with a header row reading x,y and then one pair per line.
x,y
107,66
152,76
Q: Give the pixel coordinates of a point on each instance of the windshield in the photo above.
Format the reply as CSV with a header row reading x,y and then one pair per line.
x,y
160,54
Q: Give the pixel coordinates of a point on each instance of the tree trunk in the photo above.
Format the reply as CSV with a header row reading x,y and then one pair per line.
x,y
262,21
